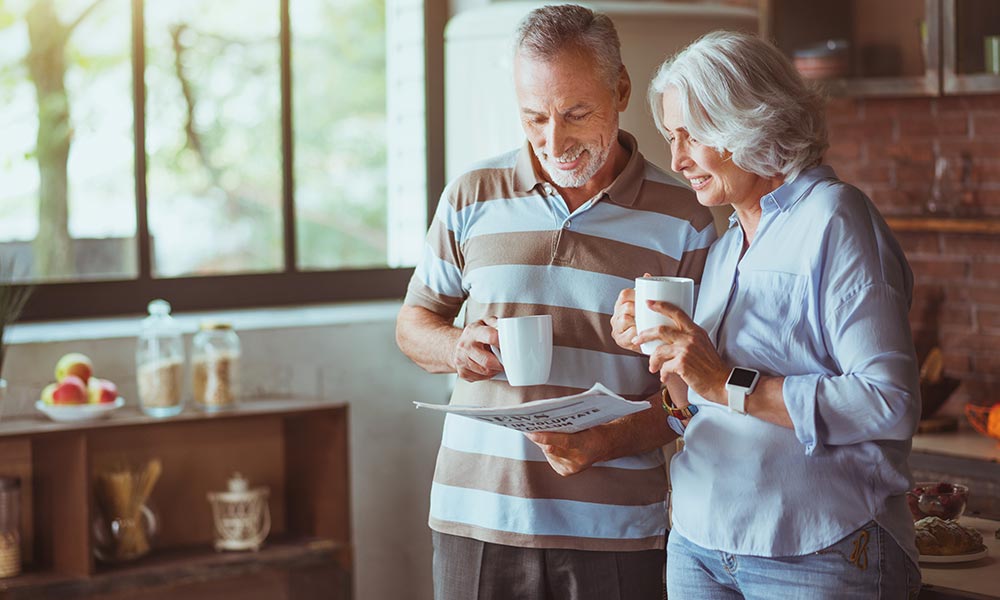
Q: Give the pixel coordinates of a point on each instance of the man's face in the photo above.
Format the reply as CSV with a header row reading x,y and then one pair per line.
x,y
569,114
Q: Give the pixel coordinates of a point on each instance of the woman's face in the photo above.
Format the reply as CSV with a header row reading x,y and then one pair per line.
x,y
713,176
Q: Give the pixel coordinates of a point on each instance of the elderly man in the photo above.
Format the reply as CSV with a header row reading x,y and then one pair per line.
x,y
557,227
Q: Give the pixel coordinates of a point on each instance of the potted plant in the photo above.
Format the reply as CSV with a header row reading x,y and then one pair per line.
x,y
13,297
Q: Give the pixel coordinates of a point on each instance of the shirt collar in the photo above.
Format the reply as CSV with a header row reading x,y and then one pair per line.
x,y
792,191
624,190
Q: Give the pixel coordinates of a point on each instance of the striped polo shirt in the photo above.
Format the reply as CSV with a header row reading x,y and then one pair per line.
x,y
504,244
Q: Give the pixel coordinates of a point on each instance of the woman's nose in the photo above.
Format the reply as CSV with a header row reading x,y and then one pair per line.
x,y
678,157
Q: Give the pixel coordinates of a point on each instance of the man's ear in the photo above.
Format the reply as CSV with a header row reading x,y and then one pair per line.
x,y
623,90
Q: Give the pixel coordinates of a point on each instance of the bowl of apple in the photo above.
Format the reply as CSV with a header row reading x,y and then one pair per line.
x,y
76,394
937,499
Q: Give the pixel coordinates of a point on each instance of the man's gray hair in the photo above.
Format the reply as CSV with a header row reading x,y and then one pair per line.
x,y
547,31
739,93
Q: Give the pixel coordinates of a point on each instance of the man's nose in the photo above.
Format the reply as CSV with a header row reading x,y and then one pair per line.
x,y
556,137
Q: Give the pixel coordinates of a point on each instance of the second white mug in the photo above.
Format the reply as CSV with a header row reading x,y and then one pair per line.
x,y
525,349
675,290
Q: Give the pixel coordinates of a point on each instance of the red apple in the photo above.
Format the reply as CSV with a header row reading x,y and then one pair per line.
x,y
101,390
71,390
76,364
47,393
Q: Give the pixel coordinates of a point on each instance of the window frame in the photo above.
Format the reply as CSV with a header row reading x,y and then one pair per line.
x,y
291,285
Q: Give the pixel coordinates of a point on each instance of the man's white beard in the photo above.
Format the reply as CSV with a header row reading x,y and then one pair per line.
x,y
593,156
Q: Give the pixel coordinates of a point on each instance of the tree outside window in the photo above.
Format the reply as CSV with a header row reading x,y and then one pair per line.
x,y
253,150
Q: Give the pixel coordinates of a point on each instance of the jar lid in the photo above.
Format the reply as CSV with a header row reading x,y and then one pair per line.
x,y
158,307
10,483
215,325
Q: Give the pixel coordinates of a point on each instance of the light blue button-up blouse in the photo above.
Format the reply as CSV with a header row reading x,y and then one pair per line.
x,y
821,297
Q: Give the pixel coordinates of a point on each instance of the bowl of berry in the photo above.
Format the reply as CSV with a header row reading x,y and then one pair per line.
x,y
937,499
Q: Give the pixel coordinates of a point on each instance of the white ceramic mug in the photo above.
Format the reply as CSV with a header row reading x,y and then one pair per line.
x,y
675,290
525,348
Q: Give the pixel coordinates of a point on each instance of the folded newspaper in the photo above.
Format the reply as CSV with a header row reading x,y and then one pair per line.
x,y
568,414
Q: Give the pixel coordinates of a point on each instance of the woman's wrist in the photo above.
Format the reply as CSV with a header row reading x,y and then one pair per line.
x,y
719,393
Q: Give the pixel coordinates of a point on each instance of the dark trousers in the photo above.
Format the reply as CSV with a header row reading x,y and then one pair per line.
x,y
467,569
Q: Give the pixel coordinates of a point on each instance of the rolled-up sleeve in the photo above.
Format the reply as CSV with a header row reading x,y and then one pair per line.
x,y
437,281
876,396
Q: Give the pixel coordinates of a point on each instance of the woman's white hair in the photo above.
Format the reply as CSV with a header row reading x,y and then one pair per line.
x,y
739,93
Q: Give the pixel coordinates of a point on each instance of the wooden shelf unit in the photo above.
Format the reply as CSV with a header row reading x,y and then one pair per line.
x,y
299,449
945,225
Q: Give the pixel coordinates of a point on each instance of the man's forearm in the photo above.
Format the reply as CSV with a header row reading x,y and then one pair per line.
x,y
638,433
426,338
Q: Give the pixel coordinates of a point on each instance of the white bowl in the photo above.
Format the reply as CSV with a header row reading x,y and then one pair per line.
x,y
79,412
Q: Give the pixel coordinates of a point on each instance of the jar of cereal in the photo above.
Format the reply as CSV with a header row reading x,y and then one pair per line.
x,y
215,362
10,526
160,361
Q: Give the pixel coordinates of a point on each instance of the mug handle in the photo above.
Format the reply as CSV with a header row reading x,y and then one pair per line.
x,y
496,352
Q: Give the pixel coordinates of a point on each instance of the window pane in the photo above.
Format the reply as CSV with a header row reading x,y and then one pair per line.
x,y
213,136
343,190
67,194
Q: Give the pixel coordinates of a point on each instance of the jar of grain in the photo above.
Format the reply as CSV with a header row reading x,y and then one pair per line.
x,y
160,361
10,526
215,366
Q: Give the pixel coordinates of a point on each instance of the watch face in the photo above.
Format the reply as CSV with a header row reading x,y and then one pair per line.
x,y
742,377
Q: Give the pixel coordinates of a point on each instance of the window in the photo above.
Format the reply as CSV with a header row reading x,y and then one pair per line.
x,y
168,149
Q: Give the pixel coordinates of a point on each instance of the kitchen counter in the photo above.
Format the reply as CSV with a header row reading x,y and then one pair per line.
x,y
973,580
963,443
965,457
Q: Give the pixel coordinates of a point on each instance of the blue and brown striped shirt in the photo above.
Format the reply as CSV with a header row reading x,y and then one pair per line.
x,y
504,244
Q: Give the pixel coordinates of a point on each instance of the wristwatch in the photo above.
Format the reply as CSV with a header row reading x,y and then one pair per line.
x,y
676,416
741,383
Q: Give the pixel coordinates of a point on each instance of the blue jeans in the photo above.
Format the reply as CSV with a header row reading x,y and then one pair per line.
x,y
866,565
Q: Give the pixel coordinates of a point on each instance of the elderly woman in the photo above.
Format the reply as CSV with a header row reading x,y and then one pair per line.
x,y
801,392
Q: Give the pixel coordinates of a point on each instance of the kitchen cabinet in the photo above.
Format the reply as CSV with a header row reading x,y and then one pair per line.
x,y
965,25
298,448
894,47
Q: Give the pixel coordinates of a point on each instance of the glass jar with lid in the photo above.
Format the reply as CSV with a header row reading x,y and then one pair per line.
x,y
10,526
215,362
160,362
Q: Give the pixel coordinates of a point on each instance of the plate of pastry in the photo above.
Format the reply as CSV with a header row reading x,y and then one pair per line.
x,y
941,541
954,558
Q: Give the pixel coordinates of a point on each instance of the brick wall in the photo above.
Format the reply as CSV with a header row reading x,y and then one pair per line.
x,y
936,157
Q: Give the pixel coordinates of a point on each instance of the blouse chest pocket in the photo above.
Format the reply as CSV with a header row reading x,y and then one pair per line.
x,y
775,318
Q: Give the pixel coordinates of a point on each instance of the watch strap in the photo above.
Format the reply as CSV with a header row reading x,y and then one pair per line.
x,y
679,413
737,399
